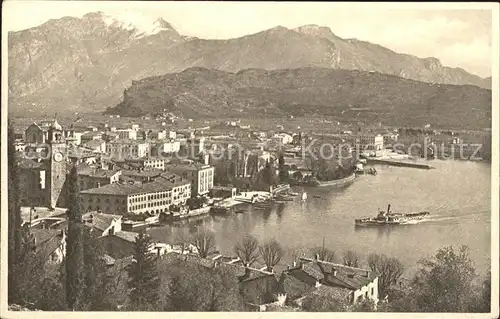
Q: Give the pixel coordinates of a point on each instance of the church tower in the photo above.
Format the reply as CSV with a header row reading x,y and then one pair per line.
x,y
57,163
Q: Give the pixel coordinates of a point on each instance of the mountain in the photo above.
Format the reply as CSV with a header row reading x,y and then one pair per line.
x,y
84,64
348,95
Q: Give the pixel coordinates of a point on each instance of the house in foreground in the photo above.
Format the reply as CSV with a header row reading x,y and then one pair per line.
x,y
311,278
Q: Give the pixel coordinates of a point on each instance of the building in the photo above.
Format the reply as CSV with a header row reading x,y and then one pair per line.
x,y
151,162
308,277
150,198
142,175
127,134
282,138
50,244
195,145
373,142
96,146
90,136
20,146
201,176
94,177
168,147
103,224
127,149
44,176
390,137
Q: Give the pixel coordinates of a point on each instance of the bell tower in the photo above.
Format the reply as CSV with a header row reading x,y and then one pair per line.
x,y
57,163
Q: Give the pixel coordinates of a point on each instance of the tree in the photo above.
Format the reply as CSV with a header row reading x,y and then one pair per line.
x,y
324,254
143,275
444,282
182,238
97,292
388,269
192,287
271,253
204,241
247,249
14,215
269,174
365,305
350,259
283,172
74,248
321,303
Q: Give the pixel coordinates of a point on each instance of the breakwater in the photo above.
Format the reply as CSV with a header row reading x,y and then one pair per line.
x,y
398,163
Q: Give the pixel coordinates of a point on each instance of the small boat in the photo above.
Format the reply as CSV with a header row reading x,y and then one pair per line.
x,y
239,211
292,193
317,196
390,218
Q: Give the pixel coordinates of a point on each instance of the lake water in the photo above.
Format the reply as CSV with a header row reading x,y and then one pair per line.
x,y
456,193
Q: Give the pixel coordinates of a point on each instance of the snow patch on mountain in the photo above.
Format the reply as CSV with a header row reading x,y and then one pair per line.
x,y
141,24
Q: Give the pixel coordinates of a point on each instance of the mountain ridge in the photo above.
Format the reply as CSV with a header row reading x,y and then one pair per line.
x,y
345,94
85,63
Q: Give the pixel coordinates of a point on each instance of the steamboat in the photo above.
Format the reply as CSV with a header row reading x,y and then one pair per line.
x,y
391,218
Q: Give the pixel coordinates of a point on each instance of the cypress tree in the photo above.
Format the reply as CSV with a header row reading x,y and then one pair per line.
x,y
74,248
143,276
14,214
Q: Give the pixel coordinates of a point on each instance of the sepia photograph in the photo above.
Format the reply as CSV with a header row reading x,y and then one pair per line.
x,y
179,157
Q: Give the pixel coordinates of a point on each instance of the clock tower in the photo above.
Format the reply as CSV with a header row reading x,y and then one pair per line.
x,y
56,163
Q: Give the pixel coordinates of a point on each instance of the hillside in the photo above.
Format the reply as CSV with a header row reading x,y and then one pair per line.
x,y
344,94
84,64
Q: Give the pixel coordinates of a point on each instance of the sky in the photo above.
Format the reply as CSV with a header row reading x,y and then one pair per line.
x,y
458,37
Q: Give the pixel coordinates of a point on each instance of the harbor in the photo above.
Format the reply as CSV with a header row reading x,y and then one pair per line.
x,y
330,212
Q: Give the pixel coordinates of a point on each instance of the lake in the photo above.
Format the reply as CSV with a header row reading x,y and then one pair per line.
x,y
456,193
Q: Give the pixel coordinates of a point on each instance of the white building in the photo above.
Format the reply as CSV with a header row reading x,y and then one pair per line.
x,y
123,149
152,198
201,176
373,142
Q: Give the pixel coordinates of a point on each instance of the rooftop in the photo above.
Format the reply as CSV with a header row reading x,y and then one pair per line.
x,y
127,141
194,166
163,183
333,274
143,172
86,170
94,143
101,221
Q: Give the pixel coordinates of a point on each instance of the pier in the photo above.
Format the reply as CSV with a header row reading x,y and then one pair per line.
x,y
398,163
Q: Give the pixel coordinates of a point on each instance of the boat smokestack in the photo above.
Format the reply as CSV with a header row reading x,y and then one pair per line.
x,y
388,208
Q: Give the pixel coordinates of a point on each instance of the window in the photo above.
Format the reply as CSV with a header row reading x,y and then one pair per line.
x,y
372,291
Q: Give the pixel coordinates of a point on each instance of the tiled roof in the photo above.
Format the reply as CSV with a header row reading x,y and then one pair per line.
x,y
95,172
126,235
46,241
313,270
338,275
94,143
195,166
335,293
160,184
146,172
101,221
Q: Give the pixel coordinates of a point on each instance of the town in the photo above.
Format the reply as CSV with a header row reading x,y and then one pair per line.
x,y
133,178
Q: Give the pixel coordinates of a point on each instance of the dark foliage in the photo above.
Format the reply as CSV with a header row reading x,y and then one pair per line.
x,y
143,276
